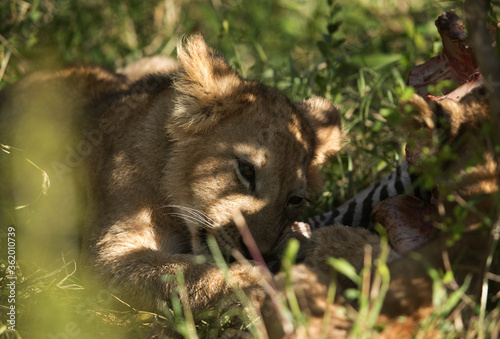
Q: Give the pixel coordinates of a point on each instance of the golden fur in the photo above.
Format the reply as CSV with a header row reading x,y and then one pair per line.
x,y
436,126
171,156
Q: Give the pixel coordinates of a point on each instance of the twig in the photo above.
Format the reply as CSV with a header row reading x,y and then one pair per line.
x,y
268,286
5,62
23,63
267,283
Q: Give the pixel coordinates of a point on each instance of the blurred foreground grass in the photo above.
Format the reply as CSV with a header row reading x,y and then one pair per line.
x,y
355,53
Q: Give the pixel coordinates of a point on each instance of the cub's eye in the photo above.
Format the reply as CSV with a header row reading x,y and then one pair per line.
x,y
296,200
247,171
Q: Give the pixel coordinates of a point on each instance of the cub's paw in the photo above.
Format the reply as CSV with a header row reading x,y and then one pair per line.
x,y
342,242
248,278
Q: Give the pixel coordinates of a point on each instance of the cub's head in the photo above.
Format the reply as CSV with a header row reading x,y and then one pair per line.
x,y
241,146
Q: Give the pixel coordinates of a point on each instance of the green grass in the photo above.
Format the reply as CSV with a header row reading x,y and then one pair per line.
x,y
355,53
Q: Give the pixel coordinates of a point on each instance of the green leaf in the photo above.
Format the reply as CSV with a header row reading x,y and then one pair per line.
x,y
376,61
352,293
344,267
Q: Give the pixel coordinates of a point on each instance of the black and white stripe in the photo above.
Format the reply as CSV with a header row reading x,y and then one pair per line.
x,y
356,211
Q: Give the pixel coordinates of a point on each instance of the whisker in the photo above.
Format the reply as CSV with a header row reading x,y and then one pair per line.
x,y
203,223
195,213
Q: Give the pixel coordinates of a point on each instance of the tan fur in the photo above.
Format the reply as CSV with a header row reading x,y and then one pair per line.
x,y
475,170
473,173
165,173
310,290
343,242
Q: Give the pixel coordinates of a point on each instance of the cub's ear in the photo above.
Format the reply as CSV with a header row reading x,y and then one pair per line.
x,y
324,118
204,84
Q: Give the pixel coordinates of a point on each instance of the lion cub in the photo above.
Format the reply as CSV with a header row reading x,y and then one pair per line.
x,y
177,154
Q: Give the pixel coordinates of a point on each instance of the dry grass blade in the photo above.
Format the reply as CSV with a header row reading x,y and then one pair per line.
x,y
267,281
